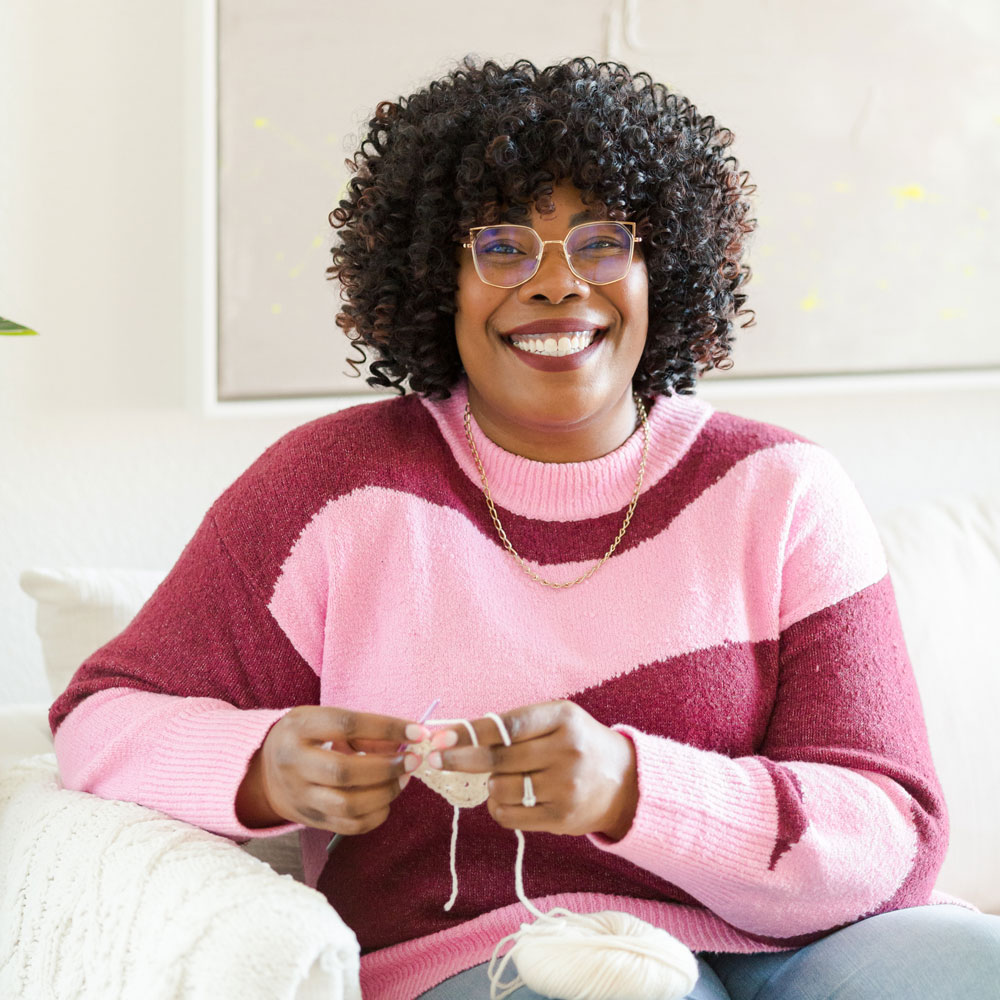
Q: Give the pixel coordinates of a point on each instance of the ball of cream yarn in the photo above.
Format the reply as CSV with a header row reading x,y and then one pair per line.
x,y
596,956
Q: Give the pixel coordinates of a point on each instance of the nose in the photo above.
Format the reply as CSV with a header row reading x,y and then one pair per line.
x,y
553,281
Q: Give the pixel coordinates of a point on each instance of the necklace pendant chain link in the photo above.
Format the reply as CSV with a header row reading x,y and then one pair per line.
x,y
503,534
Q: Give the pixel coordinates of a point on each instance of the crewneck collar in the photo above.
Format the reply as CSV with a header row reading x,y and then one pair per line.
x,y
572,491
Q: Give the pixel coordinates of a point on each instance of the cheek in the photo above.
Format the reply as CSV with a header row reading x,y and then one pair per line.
x,y
475,302
634,302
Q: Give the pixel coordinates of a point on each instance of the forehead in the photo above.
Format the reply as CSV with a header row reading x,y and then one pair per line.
x,y
566,207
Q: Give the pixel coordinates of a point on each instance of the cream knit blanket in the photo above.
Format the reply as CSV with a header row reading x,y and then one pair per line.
x,y
108,900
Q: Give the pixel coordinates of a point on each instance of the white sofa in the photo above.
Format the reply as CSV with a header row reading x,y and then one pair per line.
x,y
109,899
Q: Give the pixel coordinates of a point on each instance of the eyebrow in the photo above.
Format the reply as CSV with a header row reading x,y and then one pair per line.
x,y
587,215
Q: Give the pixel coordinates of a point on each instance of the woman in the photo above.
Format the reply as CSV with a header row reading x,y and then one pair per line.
x,y
682,617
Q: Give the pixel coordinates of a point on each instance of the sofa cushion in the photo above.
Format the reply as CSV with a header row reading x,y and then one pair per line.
x,y
944,559
79,610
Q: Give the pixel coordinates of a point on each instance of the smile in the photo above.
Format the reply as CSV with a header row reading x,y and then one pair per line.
x,y
556,352
555,346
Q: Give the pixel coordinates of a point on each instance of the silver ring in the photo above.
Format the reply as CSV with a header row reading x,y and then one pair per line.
x,y
528,799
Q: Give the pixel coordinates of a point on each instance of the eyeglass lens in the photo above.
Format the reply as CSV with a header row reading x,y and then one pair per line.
x,y
599,252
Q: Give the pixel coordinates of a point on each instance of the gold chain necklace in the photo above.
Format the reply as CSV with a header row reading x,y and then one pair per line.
x,y
503,534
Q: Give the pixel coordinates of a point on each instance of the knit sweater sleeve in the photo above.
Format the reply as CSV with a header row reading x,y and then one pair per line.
x,y
839,815
169,713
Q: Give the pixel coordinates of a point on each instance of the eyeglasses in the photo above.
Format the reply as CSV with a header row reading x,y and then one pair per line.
x,y
598,252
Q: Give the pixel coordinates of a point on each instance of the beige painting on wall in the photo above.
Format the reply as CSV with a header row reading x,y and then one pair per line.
x,y
871,129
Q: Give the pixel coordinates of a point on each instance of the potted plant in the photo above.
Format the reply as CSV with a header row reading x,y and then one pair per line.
x,y
9,328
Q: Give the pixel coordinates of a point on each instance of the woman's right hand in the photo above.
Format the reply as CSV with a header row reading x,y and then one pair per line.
x,y
345,789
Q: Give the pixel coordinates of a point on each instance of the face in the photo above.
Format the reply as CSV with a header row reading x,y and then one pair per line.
x,y
574,408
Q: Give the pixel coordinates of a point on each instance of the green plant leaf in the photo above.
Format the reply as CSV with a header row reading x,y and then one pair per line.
x,y
9,328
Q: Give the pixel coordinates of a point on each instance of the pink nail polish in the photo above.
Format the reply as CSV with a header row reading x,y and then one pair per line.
x,y
416,733
411,762
444,739
434,760
404,780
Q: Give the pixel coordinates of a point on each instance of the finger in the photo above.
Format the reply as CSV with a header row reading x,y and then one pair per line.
x,y
509,790
525,723
374,746
345,770
531,755
518,817
323,723
317,812
353,803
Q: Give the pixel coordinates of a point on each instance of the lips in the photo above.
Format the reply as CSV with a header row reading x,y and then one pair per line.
x,y
553,326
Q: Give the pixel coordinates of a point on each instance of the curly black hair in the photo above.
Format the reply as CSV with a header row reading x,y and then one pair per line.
x,y
490,141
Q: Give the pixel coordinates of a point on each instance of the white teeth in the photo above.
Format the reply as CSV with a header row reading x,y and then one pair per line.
x,y
552,347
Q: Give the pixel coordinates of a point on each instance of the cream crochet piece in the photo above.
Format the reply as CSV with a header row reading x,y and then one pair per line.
x,y
463,791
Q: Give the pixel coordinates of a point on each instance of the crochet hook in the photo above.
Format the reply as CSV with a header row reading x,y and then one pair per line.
x,y
338,837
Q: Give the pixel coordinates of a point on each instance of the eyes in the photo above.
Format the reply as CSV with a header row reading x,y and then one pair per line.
x,y
499,246
508,246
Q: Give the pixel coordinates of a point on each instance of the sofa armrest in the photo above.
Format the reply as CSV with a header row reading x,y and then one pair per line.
x,y
114,900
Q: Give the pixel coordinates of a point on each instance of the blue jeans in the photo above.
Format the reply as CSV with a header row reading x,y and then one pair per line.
x,y
939,952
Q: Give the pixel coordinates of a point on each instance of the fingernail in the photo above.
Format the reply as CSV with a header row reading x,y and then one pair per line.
x,y
444,739
411,762
404,780
434,760
416,733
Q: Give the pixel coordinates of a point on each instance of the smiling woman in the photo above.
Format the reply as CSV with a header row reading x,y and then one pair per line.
x,y
667,634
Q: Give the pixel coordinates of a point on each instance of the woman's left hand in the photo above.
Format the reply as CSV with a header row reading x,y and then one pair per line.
x,y
583,773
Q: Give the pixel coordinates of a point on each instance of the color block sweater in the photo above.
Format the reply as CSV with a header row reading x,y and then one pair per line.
x,y
744,636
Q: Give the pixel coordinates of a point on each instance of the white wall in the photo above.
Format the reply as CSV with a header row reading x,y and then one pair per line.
x,y
107,456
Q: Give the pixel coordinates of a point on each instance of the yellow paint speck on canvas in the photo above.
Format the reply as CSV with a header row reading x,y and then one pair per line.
x,y
261,123
317,241
882,284
969,271
810,302
951,313
911,192
842,187
983,213
276,308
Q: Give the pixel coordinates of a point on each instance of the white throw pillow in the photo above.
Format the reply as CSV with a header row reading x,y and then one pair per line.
x,y
944,558
79,610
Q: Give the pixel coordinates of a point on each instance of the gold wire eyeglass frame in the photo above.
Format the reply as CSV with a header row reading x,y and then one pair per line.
x,y
630,226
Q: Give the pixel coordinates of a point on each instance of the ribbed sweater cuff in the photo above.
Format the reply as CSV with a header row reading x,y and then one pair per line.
x,y
703,819
208,750
185,757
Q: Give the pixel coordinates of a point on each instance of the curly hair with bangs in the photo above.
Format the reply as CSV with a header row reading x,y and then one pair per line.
x,y
488,142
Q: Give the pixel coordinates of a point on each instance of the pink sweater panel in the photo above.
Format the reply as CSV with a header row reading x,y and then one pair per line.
x,y
744,636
